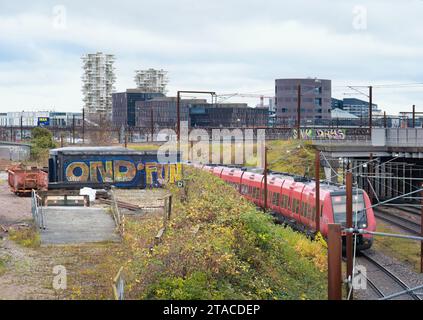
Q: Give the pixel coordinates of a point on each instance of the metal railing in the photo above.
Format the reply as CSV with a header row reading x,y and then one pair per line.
x,y
117,215
118,285
37,210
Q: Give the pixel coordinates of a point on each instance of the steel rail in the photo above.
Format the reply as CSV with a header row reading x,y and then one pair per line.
x,y
394,219
397,280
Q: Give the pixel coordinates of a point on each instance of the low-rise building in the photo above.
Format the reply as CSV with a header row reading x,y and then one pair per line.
x,y
123,105
162,113
40,118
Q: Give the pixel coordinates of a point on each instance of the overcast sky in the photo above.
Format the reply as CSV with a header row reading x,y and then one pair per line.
x,y
225,46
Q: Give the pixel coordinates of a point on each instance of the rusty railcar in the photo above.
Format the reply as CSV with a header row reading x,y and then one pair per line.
x,y
22,180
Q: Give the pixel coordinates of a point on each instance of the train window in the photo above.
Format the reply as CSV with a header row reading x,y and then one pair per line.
x,y
314,213
339,209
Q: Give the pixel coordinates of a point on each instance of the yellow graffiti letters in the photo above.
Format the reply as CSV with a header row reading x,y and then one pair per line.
x,y
106,172
77,171
127,174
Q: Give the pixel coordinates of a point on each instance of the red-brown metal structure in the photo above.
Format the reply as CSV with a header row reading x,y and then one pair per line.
x,y
334,262
265,179
317,178
23,180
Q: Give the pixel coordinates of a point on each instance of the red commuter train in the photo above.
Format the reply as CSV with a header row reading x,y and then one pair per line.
x,y
292,201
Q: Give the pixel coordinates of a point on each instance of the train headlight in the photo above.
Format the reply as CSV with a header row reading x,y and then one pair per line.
x,y
364,225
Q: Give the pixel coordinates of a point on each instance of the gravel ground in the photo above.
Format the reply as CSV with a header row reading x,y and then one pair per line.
x,y
403,271
150,200
13,209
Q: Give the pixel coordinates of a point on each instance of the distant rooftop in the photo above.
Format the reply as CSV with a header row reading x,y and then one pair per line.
x,y
342,114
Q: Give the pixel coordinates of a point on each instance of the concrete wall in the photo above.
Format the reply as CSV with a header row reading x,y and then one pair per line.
x,y
14,152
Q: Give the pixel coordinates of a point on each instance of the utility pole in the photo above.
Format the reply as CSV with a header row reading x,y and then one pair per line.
x,y
178,119
414,116
83,125
73,129
265,179
317,193
370,175
349,236
178,110
334,262
21,128
299,112
370,110
152,124
384,119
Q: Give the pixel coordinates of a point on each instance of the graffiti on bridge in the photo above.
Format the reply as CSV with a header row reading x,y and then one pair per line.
x,y
320,134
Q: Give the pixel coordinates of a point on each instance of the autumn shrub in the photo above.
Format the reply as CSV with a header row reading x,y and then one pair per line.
x,y
219,246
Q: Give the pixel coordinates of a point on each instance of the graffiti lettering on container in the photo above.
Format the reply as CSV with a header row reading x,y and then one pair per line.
x,y
122,171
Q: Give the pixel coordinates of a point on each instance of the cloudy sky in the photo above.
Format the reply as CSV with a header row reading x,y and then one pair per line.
x,y
221,45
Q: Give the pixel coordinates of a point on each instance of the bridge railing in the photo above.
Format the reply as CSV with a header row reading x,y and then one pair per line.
x,y
404,137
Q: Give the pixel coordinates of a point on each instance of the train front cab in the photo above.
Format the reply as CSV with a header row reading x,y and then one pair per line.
x,y
362,219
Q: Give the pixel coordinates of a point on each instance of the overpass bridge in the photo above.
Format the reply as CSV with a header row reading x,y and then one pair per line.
x,y
387,164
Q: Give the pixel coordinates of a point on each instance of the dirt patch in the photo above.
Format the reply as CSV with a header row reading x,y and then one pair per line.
x,y
14,209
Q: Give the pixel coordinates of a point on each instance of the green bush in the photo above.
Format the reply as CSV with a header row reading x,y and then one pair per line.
x,y
219,246
41,143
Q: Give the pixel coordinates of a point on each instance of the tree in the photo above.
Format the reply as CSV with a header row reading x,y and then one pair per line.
x,y
41,141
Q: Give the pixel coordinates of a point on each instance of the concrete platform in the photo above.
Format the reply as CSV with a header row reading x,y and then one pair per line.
x,y
75,225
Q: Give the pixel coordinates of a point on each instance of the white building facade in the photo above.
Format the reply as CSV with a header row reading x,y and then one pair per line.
x,y
98,84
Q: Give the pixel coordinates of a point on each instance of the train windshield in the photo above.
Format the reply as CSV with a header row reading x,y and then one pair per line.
x,y
359,212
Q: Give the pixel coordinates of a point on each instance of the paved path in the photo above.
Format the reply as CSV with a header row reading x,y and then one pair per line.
x,y
73,225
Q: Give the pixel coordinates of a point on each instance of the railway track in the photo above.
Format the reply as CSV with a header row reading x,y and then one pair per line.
x,y
412,210
397,220
385,280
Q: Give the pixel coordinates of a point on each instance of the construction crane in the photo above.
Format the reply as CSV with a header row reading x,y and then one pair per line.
x,y
226,96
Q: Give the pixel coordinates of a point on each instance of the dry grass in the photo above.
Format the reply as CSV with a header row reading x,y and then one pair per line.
x,y
402,249
27,237
3,266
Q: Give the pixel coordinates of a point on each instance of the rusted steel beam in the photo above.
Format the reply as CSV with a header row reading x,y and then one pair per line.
x,y
317,193
334,262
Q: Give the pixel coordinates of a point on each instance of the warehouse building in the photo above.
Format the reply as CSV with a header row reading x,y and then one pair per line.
x,y
161,112
123,105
